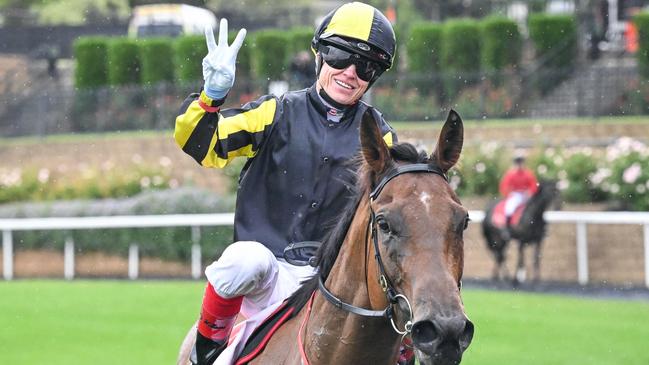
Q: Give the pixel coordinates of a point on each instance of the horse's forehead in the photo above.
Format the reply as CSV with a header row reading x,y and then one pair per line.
x,y
423,187
427,190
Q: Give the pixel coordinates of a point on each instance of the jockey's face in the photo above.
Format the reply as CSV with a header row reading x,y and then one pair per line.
x,y
344,85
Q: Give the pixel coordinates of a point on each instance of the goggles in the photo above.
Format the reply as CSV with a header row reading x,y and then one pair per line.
x,y
339,59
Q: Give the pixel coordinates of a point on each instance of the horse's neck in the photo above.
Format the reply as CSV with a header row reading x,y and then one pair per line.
x,y
538,204
338,336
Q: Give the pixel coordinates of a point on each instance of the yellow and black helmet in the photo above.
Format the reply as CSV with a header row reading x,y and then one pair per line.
x,y
358,28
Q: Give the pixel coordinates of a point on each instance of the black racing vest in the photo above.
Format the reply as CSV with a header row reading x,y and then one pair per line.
x,y
299,181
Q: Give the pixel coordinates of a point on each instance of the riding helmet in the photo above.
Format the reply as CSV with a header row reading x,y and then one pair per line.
x,y
358,28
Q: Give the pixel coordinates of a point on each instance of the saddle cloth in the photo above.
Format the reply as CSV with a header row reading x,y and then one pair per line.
x,y
498,218
257,340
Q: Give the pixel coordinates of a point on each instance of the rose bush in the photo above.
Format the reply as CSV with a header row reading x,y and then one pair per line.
x,y
618,174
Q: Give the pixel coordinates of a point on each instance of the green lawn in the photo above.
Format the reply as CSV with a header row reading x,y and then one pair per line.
x,y
143,322
95,322
523,328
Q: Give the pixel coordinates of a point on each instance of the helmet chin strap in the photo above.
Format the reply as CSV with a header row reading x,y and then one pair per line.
x,y
323,94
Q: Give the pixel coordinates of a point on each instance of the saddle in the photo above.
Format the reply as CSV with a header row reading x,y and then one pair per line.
x,y
263,333
498,218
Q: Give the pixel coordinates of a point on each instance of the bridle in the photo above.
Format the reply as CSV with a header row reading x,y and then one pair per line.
x,y
391,293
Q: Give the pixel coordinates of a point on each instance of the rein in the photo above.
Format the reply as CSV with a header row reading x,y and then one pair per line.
x,y
392,295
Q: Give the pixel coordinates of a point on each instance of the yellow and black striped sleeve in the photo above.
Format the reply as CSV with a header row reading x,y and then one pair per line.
x,y
215,138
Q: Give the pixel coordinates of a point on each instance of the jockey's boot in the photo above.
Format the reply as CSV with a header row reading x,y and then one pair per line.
x,y
206,351
218,315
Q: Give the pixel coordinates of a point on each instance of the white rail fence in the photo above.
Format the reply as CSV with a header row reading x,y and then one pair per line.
x,y
195,221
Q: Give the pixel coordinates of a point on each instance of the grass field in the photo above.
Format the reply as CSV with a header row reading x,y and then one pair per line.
x,y
143,322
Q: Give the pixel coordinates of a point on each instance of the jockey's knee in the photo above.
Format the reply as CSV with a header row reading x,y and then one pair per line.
x,y
245,267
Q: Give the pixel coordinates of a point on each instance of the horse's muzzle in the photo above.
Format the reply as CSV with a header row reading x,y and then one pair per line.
x,y
442,340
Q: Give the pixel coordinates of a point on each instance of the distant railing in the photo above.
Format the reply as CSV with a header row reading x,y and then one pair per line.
x,y
195,221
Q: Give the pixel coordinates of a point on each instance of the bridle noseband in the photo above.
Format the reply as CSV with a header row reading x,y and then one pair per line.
x,y
392,295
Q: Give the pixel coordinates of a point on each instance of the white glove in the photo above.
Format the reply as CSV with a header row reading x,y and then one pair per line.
x,y
219,64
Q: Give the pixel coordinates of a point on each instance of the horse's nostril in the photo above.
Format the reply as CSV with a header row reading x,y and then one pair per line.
x,y
467,335
424,332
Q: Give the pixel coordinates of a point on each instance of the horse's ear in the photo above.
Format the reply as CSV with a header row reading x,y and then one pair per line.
x,y
449,144
375,151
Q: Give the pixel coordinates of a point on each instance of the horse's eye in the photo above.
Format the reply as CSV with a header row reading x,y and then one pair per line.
x,y
383,225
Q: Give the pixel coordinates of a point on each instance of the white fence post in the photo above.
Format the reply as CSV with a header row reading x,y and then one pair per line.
x,y
196,252
68,258
133,262
646,254
582,253
7,255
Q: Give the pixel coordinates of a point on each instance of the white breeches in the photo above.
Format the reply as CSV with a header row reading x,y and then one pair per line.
x,y
514,199
250,269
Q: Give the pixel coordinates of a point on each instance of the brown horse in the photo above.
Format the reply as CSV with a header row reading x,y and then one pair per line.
x,y
391,268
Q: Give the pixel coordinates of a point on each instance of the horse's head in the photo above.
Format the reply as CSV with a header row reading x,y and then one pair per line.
x,y
549,194
419,222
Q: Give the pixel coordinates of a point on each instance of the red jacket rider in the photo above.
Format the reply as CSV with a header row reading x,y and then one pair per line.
x,y
518,178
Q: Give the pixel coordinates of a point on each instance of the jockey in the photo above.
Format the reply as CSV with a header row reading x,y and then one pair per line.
x,y
298,145
517,186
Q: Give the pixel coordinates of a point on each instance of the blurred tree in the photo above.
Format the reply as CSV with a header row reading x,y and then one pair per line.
x,y
16,12
77,12
68,12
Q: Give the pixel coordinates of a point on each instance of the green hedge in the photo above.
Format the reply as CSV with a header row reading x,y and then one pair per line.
x,y
270,54
189,53
460,54
461,46
157,56
123,62
299,40
92,68
501,44
555,40
424,47
641,21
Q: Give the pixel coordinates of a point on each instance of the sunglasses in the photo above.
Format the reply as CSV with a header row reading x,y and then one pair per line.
x,y
339,59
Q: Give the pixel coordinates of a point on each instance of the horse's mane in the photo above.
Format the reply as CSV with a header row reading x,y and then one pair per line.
x,y
541,195
539,202
328,251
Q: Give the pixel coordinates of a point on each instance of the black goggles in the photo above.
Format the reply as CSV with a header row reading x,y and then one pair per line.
x,y
337,58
